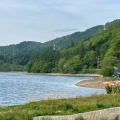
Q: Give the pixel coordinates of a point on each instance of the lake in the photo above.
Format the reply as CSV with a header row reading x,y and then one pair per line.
x,y
21,88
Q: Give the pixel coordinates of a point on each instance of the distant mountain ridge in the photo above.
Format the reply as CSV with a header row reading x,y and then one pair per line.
x,y
65,41
61,42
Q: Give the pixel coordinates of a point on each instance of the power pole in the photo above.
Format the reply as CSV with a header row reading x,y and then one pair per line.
x,y
54,47
98,62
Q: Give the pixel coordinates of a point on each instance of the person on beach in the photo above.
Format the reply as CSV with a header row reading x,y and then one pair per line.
x,y
115,71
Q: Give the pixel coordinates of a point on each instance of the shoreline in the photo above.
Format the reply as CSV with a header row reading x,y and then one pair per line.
x,y
56,74
96,82
62,74
93,83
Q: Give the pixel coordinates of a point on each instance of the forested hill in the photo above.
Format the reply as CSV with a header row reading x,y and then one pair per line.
x,y
25,46
61,42
99,52
66,48
21,53
65,41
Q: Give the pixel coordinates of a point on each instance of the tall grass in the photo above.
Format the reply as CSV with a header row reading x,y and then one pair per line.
x,y
59,107
113,89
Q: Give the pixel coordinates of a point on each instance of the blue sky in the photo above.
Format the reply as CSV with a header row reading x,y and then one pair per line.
x,y
44,20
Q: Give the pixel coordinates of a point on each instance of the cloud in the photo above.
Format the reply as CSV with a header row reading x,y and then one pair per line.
x,y
43,20
66,30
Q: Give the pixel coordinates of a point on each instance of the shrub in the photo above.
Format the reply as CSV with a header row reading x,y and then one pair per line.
x,y
113,89
65,106
108,71
108,89
117,117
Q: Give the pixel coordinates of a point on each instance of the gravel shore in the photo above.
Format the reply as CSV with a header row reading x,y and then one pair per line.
x,y
97,82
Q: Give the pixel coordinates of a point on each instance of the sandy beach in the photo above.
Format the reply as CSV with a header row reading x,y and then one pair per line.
x,y
62,74
94,83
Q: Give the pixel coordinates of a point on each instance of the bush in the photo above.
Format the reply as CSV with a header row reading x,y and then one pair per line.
x,y
108,71
65,106
113,89
117,117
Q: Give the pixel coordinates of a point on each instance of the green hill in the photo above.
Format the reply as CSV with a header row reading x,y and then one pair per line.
x,y
75,53
65,41
98,52
21,53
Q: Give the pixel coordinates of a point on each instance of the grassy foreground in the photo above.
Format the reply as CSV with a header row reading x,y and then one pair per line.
x,y
59,107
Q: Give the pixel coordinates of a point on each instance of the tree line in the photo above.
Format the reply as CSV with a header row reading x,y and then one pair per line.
x,y
95,49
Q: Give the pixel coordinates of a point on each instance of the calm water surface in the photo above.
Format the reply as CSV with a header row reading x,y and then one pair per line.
x,y
20,88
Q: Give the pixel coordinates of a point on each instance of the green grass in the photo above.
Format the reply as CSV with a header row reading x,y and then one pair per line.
x,y
59,107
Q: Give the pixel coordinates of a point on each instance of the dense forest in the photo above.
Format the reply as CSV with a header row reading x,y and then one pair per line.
x,y
15,57
95,49
101,51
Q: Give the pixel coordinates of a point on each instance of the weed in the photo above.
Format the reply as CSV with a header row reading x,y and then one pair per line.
x,y
113,89
80,118
117,117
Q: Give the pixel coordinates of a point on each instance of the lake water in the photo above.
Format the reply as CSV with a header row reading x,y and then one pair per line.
x,y
21,88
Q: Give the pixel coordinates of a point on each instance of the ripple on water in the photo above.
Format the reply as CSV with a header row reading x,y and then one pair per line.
x,y
19,88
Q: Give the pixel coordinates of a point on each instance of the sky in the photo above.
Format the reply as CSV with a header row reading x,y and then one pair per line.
x,y
44,20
